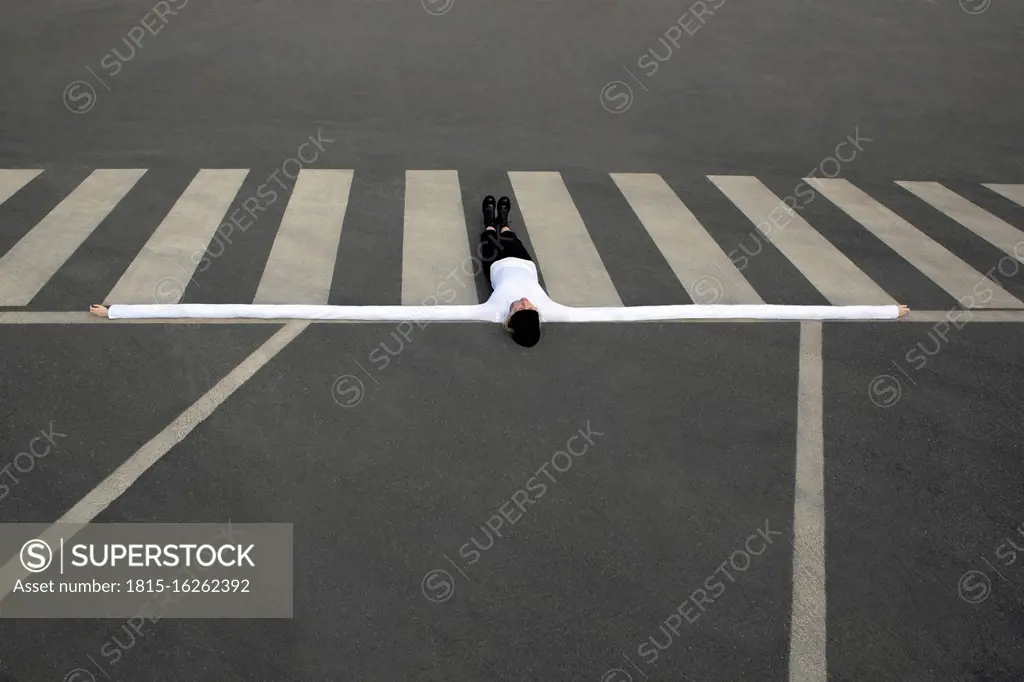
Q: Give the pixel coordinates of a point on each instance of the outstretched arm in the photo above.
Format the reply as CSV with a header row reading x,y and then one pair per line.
x,y
356,313
560,313
553,313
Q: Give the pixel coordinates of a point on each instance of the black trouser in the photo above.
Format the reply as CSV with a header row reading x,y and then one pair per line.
x,y
494,247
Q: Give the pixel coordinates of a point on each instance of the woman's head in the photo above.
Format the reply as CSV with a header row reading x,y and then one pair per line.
x,y
523,322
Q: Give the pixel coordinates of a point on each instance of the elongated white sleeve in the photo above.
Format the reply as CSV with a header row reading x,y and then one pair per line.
x,y
355,313
555,312
496,311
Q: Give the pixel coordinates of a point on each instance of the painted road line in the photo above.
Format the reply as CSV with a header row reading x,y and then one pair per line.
x,y
301,263
437,264
699,263
30,263
574,273
807,634
995,231
824,266
166,264
937,263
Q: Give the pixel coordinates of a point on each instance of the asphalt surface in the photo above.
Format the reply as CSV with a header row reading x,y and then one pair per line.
x,y
381,491
757,88
923,503
698,422
695,454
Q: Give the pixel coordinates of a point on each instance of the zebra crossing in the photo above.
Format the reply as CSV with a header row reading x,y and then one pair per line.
x,y
666,234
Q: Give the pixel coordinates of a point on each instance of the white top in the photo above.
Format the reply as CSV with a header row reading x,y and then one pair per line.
x,y
511,279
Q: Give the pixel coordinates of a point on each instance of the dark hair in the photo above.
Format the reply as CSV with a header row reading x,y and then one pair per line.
x,y
525,325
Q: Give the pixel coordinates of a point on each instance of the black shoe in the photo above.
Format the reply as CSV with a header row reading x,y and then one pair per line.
x,y
504,206
490,219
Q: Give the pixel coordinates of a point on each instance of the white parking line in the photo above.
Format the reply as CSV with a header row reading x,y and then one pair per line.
x,y
807,621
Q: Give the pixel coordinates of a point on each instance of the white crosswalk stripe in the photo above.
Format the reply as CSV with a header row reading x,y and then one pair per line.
x,y
824,266
13,180
573,270
301,264
956,277
994,230
438,262
26,268
1014,193
700,264
169,259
